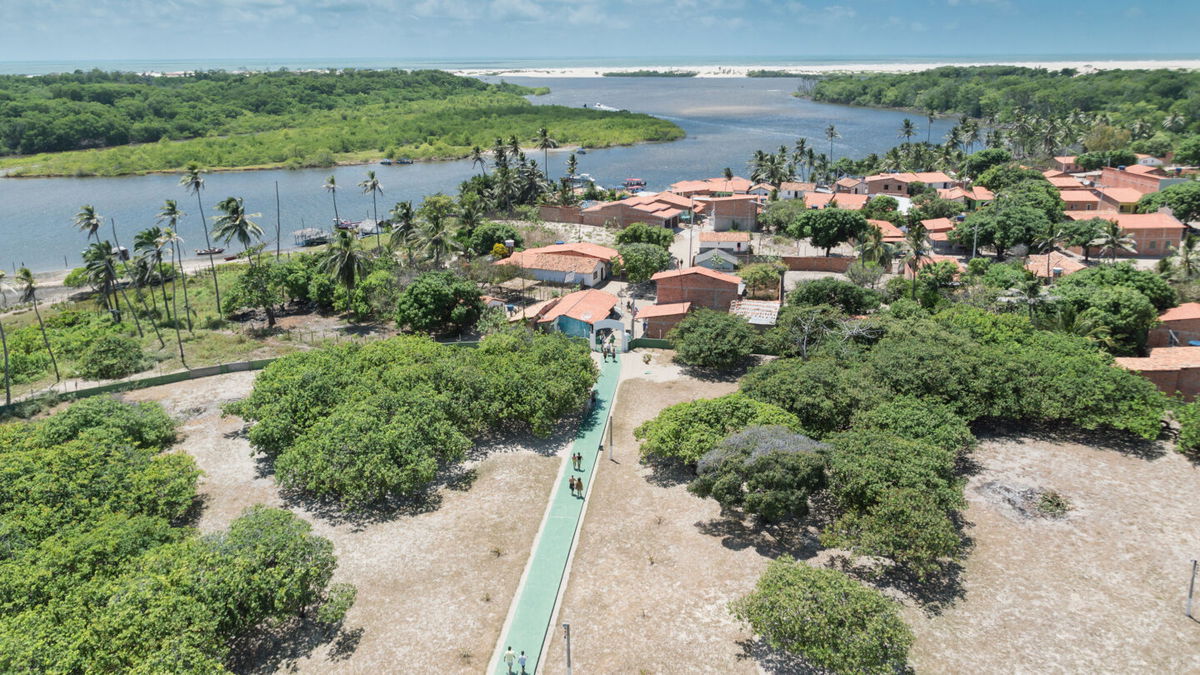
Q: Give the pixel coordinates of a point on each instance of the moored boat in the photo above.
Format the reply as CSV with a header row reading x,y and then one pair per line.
x,y
210,251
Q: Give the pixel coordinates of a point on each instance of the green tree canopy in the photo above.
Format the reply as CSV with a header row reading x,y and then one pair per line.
x,y
439,302
711,339
639,262
688,431
641,233
1182,198
847,297
827,228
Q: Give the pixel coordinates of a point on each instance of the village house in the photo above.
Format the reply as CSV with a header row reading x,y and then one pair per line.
x,y
824,200
761,190
1177,327
1067,164
851,185
700,286
1065,182
736,212
1148,160
717,259
1144,179
970,197
1052,265
1153,234
899,183
712,187
1080,200
569,264
735,242
794,190
658,320
577,313
939,230
1171,369
891,233
1119,199
661,209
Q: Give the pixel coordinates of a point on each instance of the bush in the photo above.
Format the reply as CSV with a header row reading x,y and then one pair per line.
x,y
830,620
487,235
146,425
78,278
866,465
641,233
1189,428
710,339
905,526
765,471
639,262
844,295
822,393
439,302
917,420
112,357
688,431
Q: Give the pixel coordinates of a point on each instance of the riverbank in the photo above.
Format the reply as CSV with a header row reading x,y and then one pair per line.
x,y
727,71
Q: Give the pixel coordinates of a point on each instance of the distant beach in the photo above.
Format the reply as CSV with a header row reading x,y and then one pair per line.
x,y
828,69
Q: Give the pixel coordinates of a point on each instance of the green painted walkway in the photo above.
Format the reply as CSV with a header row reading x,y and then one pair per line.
x,y
533,607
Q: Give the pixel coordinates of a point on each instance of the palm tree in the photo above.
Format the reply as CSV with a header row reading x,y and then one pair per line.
x,y
371,185
344,261
514,148
1086,324
1030,293
1174,122
169,239
87,220
873,249
477,158
470,213
544,143
916,250
572,166
193,181
728,173
831,133
436,241
1186,256
235,223
331,186
907,130
1112,238
28,291
402,227
150,243
500,154
170,215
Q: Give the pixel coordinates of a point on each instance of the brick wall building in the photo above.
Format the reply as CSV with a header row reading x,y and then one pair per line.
x,y
699,286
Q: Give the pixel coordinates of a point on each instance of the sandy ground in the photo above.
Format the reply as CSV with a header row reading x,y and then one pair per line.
x,y
1101,590
433,587
717,70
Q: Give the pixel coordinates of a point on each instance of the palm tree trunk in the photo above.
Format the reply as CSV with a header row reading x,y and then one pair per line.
x,y
208,244
46,340
175,307
136,321
153,323
187,305
378,229
7,380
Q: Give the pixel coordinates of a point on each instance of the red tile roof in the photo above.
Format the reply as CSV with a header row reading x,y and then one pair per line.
x,y
712,274
1186,311
890,232
938,224
737,184
798,187
669,309
552,262
1121,195
842,200
583,248
1038,265
588,306
1143,170
1163,358
1079,196
910,177
1131,221
1064,182
724,236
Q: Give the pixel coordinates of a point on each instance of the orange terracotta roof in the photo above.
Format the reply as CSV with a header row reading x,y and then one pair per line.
x,y
724,236
1121,195
736,184
890,232
588,306
842,200
983,194
1065,159
1079,196
552,262
764,186
669,309
1064,182
849,182
939,236
910,177
1143,170
1037,264
1184,312
584,248
712,274
1053,173
1163,358
1131,221
798,187
938,224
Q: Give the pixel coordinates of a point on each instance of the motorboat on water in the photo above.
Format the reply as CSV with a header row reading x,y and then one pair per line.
x,y
210,251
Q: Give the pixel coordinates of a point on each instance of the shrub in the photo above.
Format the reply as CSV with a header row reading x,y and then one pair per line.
x,y
688,431
866,465
822,393
146,425
827,618
639,262
766,471
487,235
713,339
905,526
439,302
111,357
917,420
641,233
1189,428
848,297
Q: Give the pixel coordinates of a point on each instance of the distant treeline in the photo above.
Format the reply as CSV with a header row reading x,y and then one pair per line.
x,y
770,73
226,120
999,91
652,73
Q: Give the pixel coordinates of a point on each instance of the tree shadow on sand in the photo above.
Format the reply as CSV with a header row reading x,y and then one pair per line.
x,y
770,541
776,661
1103,439
281,646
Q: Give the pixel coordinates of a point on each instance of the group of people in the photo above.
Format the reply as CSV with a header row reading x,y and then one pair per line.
x,y
511,658
576,484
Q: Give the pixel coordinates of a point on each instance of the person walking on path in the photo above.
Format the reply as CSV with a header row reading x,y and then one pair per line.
x,y
509,659
521,662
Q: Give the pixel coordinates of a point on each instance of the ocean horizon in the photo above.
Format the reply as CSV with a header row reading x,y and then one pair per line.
x,y
42,67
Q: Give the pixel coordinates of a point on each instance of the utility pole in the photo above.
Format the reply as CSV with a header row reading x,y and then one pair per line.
x,y
567,636
1191,588
278,218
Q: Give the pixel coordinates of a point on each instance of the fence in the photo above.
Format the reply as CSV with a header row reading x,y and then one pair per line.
x,y
817,263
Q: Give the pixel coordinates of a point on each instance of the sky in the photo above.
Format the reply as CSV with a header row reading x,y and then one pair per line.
x,y
98,30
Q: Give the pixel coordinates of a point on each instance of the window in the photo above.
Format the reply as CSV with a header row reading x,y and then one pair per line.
x,y
1153,245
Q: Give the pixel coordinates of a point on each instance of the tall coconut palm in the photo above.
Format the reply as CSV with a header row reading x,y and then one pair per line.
x,y
170,215
331,187
371,186
4,341
1174,122
403,225
150,244
1112,239
477,158
169,240
572,166
499,154
545,143
87,220
193,181
437,242
831,133
345,261
907,130
873,249
28,292
1186,257
235,223
514,149
916,251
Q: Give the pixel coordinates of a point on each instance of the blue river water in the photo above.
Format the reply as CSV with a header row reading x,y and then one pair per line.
x,y
726,120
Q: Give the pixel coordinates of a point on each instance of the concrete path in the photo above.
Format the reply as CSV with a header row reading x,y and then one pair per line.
x,y
535,603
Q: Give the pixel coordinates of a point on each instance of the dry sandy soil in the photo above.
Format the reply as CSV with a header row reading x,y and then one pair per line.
x,y
433,587
1100,590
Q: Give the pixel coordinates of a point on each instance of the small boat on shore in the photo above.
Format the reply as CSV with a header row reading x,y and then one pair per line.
x,y
209,251
403,160
385,162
